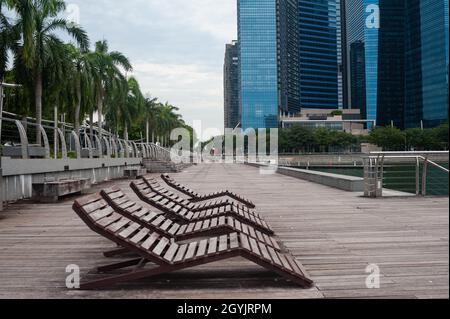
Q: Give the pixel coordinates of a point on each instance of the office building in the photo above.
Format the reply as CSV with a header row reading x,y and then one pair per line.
x,y
396,61
318,54
231,86
288,58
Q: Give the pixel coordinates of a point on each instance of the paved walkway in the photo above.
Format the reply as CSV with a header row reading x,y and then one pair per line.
x,y
335,234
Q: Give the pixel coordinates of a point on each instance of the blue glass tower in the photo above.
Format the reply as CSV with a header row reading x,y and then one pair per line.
x,y
428,51
405,60
318,54
288,58
257,31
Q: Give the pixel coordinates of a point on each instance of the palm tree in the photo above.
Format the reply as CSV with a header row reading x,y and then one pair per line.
x,y
40,41
149,112
9,37
82,82
107,74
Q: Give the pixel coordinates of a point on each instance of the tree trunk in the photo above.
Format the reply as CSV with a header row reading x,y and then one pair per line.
x,y
38,104
125,132
91,127
78,109
100,112
147,132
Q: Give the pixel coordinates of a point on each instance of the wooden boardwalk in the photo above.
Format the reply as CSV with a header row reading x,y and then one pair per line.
x,y
335,234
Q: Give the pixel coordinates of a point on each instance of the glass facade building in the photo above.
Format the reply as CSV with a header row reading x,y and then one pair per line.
x,y
257,31
405,60
427,50
318,54
288,58
231,86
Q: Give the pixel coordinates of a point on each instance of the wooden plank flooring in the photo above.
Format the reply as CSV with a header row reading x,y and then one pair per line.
x,y
334,234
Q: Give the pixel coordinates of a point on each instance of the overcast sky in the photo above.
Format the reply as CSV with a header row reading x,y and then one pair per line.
x,y
176,47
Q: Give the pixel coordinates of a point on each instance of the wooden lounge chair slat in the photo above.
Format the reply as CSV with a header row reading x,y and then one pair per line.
x,y
99,204
141,212
191,251
150,217
245,242
284,261
163,243
264,251
198,226
166,225
118,225
131,229
190,228
170,254
139,236
158,221
182,229
245,229
259,235
274,243
105,222
251,231
150,241
102,213
173,230
180,253
223,245
212,247
202,248
230,222
206,224
234,241
254,246
274,256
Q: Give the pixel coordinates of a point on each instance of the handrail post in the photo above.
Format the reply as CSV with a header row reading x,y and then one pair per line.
x,y
425,177
417,176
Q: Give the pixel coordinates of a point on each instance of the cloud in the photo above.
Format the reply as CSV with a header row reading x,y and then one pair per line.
x,y
176,47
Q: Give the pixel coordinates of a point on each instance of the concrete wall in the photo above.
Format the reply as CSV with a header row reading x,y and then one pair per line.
x,y
19,175
343,182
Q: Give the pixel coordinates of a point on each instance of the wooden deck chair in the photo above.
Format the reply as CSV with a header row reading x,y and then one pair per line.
x,y
187,203
167,227
175,211
167,256
197,197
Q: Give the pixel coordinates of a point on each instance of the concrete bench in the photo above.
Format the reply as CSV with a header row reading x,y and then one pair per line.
x,y
135,172
50,192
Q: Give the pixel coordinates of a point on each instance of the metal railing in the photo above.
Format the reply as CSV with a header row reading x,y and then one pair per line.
x,y
398,170
62,142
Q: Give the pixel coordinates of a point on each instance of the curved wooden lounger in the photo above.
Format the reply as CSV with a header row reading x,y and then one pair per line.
x,y
169,256
176,211
214,226
194,206
197,197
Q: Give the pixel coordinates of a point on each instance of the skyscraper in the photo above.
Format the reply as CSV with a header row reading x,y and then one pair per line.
x,y
404,44
231,86
318,54
427,55
340,36
258,42
288,58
